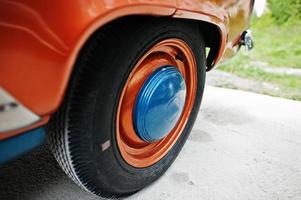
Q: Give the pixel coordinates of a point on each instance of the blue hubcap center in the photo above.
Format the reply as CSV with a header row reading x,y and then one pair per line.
x,y
159,104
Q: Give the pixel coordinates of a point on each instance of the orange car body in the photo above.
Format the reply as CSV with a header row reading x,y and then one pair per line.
x,y
40,40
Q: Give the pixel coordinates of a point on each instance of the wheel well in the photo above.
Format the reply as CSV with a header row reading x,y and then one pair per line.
x,y
212,39
209,31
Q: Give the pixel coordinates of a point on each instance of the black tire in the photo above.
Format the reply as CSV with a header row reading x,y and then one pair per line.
x,y
86,119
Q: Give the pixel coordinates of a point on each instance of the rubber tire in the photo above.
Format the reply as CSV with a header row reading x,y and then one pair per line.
x,y
86,119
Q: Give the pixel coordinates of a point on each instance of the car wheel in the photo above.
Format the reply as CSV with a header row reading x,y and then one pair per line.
x,y
131,103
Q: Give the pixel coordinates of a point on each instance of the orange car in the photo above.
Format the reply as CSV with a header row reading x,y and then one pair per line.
x,y
114,85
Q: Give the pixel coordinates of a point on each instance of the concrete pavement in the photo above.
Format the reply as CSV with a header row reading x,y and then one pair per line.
x,y
243,146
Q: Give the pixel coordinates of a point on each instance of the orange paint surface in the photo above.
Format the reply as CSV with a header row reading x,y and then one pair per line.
x,y
40,40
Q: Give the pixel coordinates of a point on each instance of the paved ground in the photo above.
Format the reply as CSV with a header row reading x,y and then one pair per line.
x,y
243,146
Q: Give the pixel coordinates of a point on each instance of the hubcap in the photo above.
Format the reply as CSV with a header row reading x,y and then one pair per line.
x,y
156,102
159,104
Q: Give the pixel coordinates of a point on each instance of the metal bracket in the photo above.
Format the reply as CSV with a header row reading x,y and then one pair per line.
x,y
247,40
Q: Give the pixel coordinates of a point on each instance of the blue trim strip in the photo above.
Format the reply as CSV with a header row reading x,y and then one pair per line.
x,y
21,144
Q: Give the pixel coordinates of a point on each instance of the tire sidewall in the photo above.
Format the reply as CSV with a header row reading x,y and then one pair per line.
x,y
108,168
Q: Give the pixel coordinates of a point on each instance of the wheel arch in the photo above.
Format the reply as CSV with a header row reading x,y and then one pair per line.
x,y
213,33
47,93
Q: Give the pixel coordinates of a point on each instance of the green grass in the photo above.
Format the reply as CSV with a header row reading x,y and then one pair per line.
x,y
289,86
277,46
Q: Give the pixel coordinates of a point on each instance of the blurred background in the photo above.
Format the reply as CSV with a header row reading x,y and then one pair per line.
x,y
273,67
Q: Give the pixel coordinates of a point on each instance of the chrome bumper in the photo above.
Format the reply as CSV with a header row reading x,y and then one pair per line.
x,y
14,115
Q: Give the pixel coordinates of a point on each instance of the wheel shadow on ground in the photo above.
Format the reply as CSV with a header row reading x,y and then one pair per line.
x,y
36,175
28,174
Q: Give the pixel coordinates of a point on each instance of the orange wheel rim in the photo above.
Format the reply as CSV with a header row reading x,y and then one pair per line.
x,y
135,151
